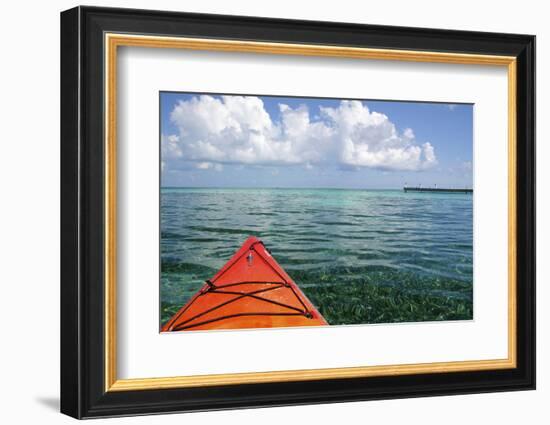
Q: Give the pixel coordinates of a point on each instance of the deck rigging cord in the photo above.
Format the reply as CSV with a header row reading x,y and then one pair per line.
x,y
212,288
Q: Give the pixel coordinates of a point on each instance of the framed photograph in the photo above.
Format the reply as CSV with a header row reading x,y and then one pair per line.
x,y
261,212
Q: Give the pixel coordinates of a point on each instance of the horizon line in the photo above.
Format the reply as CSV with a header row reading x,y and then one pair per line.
x,y
277,187
308,188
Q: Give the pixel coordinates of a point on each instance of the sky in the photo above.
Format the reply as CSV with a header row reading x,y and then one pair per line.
x,y
210,140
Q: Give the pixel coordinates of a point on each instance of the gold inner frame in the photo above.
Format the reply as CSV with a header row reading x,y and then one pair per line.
x,y
113,41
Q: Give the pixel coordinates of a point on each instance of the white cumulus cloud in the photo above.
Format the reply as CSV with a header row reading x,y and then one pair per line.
x,y
208,166
238,130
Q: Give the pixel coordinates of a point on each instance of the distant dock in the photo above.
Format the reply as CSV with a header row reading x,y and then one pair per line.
x,y
436,189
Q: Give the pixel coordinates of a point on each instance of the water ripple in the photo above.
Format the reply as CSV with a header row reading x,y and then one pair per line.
x,y
422,242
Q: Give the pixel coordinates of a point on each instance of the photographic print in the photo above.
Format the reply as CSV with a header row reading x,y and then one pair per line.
x,y
300,211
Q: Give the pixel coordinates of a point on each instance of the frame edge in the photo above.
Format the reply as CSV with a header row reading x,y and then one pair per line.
x,y
526,177
70,349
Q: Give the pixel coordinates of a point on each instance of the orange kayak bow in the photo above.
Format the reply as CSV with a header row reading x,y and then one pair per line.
x,y
250,291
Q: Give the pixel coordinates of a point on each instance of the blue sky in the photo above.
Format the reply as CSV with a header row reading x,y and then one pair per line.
x,y
270,141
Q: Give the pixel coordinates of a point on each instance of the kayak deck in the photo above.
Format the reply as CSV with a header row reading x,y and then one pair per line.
x,y
250,291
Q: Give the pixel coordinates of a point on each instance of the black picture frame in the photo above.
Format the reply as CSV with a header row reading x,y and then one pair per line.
x,y
82,218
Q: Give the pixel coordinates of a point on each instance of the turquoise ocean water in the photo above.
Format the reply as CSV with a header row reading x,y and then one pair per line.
x,y
361,256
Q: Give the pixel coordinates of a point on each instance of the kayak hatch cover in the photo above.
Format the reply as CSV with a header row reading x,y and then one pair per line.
x,y
250,291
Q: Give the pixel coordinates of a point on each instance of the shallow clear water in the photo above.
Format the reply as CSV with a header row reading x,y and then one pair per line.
x,y
420,243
